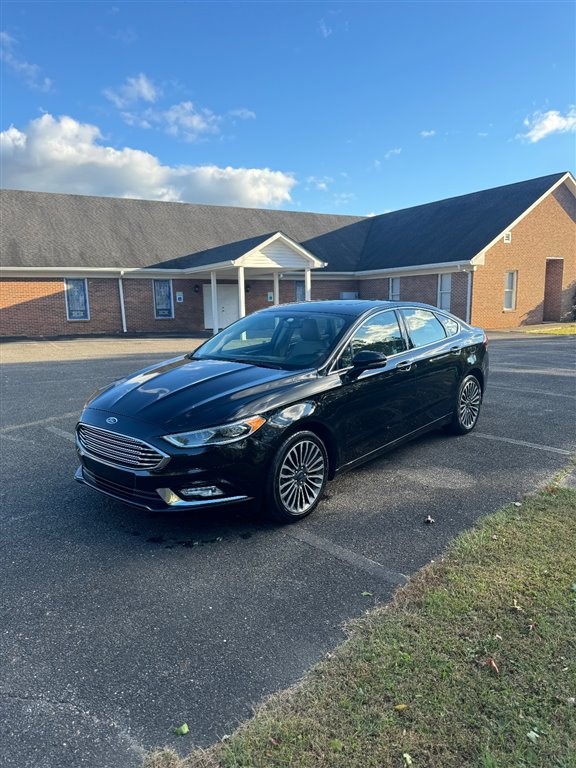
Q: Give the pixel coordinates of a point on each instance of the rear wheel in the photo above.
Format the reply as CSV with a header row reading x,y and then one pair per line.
x,y
467,407
297,478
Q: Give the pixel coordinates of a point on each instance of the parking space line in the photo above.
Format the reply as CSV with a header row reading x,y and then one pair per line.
x,y
62,433
511,440
346,555
39,423
533,391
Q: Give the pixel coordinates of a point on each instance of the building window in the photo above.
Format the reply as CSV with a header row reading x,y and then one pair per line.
x,y
299,290
77,307
510,283
163,304
444,291
394,289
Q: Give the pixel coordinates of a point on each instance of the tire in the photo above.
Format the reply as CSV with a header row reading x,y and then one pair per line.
x,y
297,478
467,407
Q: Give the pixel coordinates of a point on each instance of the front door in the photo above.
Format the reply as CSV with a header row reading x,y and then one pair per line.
x,y
228,309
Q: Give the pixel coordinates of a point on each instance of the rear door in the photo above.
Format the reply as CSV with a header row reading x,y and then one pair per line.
x,y
436,365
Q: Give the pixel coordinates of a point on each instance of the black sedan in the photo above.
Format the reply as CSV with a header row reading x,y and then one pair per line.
x,y
279,402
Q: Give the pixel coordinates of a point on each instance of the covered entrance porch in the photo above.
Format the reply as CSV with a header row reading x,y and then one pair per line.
x,y
224,298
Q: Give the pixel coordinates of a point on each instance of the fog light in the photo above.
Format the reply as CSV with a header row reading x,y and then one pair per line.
x,y
203,492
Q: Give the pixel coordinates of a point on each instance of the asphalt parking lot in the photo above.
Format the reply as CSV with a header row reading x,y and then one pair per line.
x,y
117,625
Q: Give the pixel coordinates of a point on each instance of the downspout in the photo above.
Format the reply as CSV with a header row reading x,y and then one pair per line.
x,y
122,307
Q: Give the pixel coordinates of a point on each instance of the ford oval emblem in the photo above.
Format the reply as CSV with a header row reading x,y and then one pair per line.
x,y
111,420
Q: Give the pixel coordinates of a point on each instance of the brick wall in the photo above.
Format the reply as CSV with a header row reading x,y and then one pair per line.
x,y
38,308
372,289
549,231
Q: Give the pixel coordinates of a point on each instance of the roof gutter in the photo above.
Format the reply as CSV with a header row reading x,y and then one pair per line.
x,y
466,265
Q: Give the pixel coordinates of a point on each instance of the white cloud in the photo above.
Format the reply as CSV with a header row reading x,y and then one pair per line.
x,y
320,183
427,134
63,155
325,30
392,153
182,120
543,124
135,89
185,121
30,73
243,114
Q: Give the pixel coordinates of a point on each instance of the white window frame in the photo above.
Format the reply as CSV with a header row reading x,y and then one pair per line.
x,y
67,292
444,298
510,292
156,315
394,288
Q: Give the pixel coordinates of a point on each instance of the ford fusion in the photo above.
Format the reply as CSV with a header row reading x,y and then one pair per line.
x,y
276,404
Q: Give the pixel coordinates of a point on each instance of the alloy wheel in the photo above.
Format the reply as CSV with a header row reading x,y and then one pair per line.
x,y
301,477
469,405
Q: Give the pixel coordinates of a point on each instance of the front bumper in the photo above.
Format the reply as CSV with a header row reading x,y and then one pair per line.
x,y
147,496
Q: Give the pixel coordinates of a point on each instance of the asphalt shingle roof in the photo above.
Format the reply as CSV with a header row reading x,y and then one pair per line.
x,y
449,230
41,229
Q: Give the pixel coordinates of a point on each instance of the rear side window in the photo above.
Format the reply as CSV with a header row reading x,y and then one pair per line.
x,y
450,326
423,327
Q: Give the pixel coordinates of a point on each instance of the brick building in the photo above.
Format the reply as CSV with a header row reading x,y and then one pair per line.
x,y
95,265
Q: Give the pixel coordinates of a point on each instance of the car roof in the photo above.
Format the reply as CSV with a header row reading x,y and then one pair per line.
x,y
347,306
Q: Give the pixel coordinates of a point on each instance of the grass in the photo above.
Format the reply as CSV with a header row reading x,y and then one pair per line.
x,y
565,329
472,664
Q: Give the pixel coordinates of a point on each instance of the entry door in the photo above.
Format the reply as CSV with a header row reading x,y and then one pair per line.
x,y
552,309
228,309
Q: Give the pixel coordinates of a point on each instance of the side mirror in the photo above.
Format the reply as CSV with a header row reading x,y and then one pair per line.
x,y
364,360
368,359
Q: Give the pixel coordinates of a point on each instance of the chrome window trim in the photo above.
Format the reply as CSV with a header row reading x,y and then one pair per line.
x,y
330,364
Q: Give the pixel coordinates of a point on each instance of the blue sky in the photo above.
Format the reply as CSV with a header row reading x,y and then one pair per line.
x,y
342,107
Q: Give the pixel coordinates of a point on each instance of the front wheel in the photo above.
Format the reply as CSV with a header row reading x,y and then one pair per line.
x,y
467,407
297,478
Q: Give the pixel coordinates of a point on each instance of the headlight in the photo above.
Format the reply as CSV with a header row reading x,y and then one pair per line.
x,y
227,433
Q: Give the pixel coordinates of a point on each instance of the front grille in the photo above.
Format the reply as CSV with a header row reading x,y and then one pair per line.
x,y
119,450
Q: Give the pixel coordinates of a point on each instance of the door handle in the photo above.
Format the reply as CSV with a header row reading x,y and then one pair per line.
x,y
405,366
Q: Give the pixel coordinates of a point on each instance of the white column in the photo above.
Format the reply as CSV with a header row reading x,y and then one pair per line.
x,y
276,288
241,293
307,284
214,302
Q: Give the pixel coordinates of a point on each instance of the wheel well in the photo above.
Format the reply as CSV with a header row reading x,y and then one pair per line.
x,y
325,435
479,375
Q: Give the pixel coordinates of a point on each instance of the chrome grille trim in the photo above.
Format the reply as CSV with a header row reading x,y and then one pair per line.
x,y
118,450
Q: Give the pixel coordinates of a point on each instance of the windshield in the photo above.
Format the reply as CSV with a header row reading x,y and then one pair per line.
x,y
278,339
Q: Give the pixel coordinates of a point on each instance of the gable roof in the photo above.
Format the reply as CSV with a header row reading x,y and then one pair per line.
x,y
456,229
56,231
43,229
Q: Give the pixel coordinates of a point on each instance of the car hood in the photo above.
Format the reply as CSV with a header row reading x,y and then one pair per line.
x,y
189,394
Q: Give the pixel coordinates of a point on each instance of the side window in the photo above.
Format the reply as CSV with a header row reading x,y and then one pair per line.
x,y
444,290
450,326
163,305
77,307
423,327
299,290
394,289
380,333
510,283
